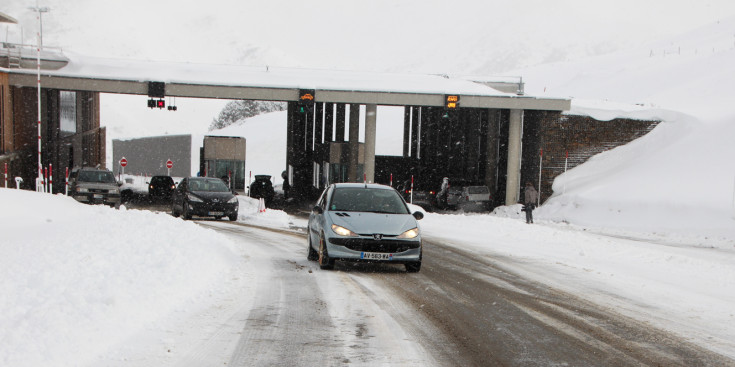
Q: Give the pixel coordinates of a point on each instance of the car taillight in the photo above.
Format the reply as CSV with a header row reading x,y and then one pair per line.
x,y
173,186
432,192
467,198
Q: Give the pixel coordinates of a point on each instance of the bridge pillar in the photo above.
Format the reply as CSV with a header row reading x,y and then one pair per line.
x,y
354,142
515,135
371,117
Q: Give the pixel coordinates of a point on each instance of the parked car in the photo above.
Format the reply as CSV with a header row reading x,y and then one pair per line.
x,y
453,194
204,197
418,196
474,198
262,187
161,187
93,185
364,222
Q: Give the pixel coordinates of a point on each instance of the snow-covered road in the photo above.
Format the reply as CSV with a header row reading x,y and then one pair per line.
x,y
280,309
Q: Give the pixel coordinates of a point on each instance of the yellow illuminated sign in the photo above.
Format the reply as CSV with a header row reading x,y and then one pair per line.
x,y
451,101
306,96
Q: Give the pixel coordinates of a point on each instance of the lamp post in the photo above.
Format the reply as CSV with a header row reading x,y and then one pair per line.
x,y
40,11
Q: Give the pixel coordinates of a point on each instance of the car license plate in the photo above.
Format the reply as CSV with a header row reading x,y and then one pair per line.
x,y
98,196
216,213
376,256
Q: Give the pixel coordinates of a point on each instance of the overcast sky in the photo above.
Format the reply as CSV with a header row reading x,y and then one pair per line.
x,y
468,37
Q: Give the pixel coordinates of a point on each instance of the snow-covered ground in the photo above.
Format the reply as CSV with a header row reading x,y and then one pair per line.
x,y
647,228
78,281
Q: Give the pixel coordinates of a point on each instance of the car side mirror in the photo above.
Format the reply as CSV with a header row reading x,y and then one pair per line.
x,y
418,215
318,209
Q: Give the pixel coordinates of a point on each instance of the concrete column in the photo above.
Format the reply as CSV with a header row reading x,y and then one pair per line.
x,y
406,131
491,165
354,136
340,129
371,117
328,122
415,123
513,178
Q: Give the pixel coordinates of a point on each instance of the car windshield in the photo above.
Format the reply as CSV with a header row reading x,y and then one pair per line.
x,y
162,180
208,184
358,199
96,176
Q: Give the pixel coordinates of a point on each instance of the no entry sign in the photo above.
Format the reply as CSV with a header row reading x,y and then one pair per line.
x,y
123,162
169,164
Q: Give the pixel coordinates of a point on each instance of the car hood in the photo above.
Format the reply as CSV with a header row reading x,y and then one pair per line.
x,y
211,196
371,223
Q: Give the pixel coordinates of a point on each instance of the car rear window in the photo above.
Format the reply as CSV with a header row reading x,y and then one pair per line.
x,y
478,190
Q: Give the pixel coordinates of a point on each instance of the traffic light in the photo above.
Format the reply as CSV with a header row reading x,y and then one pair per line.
x,y
156,103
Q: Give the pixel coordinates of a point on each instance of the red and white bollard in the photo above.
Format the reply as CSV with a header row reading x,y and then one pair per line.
x,y
411,189
66,182
51,178
6,175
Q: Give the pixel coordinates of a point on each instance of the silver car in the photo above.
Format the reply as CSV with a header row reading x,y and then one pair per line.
x,y
364,222
475,198
94,185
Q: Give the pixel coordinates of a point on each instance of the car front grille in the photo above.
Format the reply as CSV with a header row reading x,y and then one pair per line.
x,y
371,245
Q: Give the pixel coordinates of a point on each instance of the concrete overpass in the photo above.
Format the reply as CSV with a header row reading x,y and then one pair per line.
x,y
71,72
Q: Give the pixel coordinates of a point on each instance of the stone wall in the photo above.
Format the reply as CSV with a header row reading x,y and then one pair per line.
x,y
581,137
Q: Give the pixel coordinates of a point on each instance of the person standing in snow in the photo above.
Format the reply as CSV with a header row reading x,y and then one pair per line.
x,y
443,192
531,196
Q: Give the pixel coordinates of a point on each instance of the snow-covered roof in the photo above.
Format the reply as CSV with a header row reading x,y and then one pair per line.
x,y
274,83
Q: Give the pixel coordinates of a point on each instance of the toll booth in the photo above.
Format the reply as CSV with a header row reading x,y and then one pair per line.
x,y
224,157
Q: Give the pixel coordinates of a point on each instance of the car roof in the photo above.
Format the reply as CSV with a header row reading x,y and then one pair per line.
x,y
89,169
363,185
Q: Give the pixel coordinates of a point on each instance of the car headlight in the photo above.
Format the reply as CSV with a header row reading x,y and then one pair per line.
x,y
194,198
342,231
411,233
232,201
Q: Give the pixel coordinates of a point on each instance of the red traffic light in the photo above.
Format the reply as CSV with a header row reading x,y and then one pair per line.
x,y
161,103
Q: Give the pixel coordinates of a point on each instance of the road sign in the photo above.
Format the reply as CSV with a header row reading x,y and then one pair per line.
x,y
169,164
123,162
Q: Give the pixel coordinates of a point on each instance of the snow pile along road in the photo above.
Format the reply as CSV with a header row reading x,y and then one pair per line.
x,y
77,279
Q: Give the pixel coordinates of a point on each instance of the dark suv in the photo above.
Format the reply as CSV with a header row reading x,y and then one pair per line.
x,y
262,188
161,187
94,186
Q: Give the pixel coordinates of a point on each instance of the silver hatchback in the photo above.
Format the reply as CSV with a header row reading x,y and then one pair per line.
x,y
364,222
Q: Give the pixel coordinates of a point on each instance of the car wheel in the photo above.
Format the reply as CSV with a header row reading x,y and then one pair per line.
x,y
312,254
413,267
185,211
233,217
324,261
